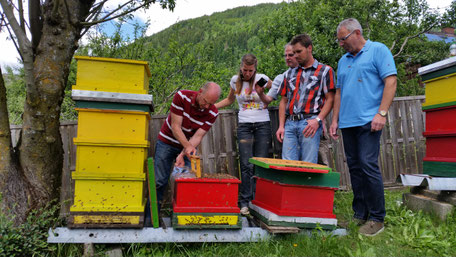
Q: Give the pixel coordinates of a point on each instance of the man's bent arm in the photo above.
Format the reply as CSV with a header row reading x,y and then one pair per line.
x,y
378,122
176,126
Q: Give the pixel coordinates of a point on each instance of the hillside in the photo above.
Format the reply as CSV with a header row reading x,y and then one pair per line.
x,y
225,35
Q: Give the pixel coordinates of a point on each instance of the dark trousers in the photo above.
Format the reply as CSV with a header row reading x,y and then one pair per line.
x,y
254,140
362,149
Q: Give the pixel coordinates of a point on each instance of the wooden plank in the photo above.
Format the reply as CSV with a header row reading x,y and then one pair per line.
x,y
279,230
66,195
217,146
405,133
230,144
418,126
153,203
395,134
276,145
412,135
73,133
204,149
385,148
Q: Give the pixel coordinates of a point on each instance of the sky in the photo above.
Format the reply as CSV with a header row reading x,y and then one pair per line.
x,y
161,18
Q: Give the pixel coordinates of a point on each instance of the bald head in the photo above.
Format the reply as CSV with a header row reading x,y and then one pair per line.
x,y
208,94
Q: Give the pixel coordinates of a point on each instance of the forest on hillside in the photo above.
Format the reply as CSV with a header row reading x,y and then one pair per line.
x,y
209,48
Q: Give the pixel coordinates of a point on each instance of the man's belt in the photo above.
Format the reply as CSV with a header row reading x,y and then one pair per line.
x,y
300,116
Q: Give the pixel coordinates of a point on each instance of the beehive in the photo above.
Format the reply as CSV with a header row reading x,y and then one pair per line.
x,y
112,142
294,193
440,83
206,203
440,109
112,75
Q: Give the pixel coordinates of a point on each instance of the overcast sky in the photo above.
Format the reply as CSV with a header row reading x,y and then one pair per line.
x,y
161,19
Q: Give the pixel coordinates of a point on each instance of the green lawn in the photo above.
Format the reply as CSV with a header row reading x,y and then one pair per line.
x,y
406,233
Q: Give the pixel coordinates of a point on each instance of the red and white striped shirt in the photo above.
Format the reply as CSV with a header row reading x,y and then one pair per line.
x,y
184,104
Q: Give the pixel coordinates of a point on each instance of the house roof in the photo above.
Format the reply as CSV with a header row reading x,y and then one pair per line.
x,y
441,37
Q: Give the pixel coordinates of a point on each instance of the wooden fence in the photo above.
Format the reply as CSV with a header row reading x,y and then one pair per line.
x,y
402,144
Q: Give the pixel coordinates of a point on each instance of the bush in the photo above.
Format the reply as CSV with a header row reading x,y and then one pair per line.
x,y
29,238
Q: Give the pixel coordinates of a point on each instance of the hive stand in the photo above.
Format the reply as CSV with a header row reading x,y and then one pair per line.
x,y
248,233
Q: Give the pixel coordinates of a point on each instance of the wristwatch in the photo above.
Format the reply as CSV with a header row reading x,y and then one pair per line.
x,y
318,119
382,113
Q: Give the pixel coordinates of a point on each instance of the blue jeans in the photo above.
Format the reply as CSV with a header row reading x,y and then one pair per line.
x,y
254,140
165,155
362,149
296,146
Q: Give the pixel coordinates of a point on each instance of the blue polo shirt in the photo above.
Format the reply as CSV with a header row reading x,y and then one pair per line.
x,y
360,79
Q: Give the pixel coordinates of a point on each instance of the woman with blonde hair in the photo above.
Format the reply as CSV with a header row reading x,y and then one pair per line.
x,y
254,127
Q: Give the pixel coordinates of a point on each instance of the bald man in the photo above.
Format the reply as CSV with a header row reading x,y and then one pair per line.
x,y
192,114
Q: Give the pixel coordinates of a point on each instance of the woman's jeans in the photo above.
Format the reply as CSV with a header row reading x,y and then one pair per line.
x,y
254,140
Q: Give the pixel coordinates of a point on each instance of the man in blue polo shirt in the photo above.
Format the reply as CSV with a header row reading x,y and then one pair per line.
x,y
366,85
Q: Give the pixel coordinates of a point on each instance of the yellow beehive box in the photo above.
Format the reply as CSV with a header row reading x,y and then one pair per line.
x,y
114,158
113,125
112,75
108,192
440,90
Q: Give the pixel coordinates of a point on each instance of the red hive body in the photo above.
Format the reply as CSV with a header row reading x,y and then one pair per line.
x,y
441,119
294,200
206,195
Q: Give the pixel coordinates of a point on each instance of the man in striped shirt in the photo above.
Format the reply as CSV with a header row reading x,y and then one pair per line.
x,y
307,97
192,114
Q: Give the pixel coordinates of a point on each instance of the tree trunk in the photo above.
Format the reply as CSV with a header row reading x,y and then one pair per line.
x,y
14,187
36,168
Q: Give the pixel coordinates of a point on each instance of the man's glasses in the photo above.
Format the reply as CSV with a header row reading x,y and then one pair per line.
x,y
344,38
288,55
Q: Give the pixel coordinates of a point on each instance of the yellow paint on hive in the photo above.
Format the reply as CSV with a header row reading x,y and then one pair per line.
x,y
110,158
105,219
98,195
112,75
211,220
440,90
115,125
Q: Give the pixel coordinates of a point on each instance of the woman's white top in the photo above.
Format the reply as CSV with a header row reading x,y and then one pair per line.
x,y
251,108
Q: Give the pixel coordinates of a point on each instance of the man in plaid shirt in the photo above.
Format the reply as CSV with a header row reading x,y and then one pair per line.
x,y
307,97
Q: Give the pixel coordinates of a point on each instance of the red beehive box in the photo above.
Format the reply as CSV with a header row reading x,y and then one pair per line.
x,y
208,195
294,200
441,144
441,119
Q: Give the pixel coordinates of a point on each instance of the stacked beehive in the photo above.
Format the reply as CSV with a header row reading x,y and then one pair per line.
x,y
440,109
209,203
294,193
112,142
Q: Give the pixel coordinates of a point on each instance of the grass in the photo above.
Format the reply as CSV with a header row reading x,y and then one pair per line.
x,y
406,233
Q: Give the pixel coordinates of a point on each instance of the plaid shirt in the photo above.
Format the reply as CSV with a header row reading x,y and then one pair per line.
x,y
306,88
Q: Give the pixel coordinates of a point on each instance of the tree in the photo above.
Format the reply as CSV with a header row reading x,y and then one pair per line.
x,y
30,173
398,24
